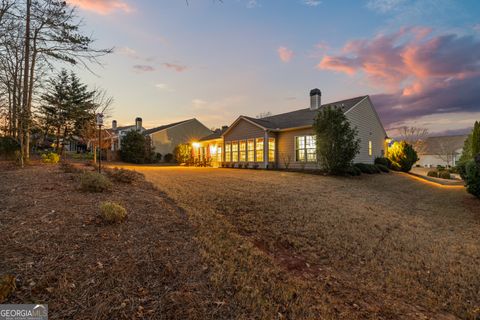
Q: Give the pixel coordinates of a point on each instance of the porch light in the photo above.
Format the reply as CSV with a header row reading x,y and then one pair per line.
x,y
196,144
213,149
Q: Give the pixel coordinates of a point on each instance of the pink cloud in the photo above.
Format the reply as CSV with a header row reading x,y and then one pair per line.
x,y
423,73
174,66
103,7
285,54
143,68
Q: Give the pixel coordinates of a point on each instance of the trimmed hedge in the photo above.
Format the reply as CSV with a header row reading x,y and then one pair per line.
x,y
382,168
432,173
383,161
444,174
367,168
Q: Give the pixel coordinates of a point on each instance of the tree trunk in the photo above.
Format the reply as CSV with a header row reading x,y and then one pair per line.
x,y
25,118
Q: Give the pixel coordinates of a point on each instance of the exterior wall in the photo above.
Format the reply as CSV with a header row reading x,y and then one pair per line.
x,y
244,130
432,160
365,119
286,149
166,140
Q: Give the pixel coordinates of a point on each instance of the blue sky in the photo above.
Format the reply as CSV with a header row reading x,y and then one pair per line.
x,y
419,60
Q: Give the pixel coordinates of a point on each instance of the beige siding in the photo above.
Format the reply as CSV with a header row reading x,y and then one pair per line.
x,y
286,149
244,130
365,119
166,140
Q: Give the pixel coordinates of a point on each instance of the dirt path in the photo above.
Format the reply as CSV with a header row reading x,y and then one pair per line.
x,y
373,247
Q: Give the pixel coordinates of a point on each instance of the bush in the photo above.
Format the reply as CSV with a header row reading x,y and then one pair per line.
x,y
112,212
337,142
382,168
353,171
51,158
168,157
432,173
123,176
94,182
134,148
69,168
158,157
382,161
367,168
8,147
444,174
183,153
402,156
473,176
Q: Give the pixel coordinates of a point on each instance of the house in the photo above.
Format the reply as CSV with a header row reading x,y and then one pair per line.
x,y
117,133
288,139
165,138
210,148
441,151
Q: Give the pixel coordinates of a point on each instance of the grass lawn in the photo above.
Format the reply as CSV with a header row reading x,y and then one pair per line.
x,y
298,246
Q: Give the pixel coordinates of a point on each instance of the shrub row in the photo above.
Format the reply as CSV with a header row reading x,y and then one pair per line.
x,y
443,174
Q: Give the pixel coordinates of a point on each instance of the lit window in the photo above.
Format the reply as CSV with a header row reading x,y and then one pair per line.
x,y
370,148
235,151
305,149
259,149
228,152
271,149
251,150
219,154
243,151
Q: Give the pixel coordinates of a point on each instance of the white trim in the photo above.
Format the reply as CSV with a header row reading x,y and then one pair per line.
x,y
374,111
238,120
306,154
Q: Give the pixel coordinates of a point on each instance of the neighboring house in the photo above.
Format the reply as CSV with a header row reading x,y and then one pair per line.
x,y
210,148
118,133
441,151
288,139
165,138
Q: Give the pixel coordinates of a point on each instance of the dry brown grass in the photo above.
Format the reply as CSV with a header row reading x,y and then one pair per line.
x,y
302,246
61,252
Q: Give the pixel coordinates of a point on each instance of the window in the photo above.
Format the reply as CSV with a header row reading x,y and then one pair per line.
x,y
271,149
235,151
219,154
243,151
370,148
228,152
251,150
259,149
306,149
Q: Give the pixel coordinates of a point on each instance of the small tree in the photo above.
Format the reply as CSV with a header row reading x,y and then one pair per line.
x,y
183,153
337,143
472,177
402,156
133,147
471,147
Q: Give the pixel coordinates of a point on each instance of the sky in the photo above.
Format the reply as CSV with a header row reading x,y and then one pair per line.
x,y
216,60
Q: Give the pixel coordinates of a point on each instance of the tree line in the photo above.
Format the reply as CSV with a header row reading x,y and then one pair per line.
x,y
36,37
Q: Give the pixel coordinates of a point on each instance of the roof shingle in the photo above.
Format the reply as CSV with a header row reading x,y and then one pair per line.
x,y
302,117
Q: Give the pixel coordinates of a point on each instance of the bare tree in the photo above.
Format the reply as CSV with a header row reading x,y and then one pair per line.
x,y
415,136
264,115
446,150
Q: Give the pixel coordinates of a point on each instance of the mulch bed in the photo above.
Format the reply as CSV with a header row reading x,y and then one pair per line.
x,y
64,255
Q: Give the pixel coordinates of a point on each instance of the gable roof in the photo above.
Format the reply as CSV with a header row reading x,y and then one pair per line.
x,y
166,126
217,134
444,144
302,117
